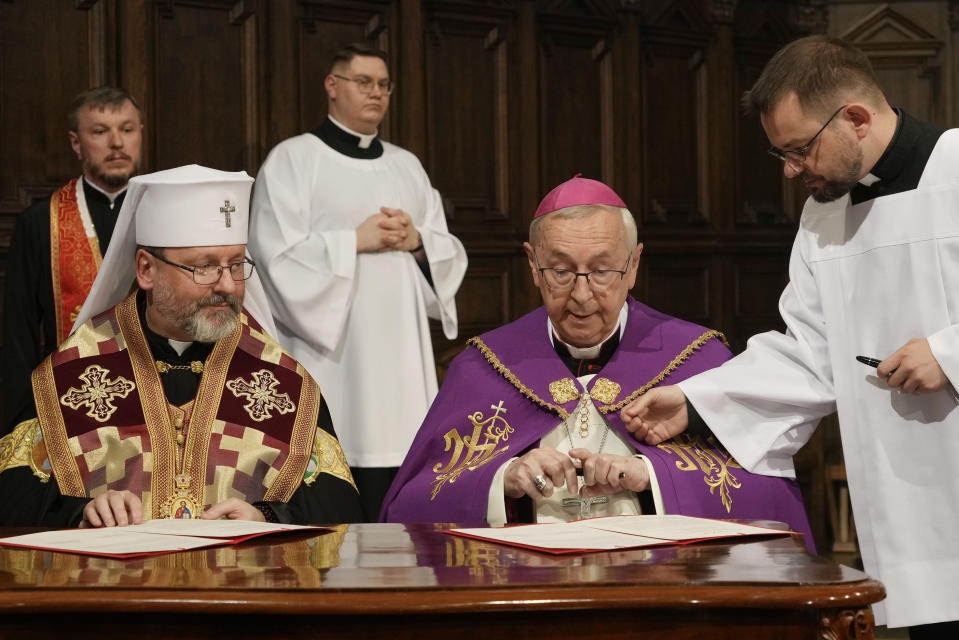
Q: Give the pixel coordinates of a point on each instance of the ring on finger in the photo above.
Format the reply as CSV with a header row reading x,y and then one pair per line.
x,y
539,482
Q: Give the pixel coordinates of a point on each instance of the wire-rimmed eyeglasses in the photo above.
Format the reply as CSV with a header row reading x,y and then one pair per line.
x,y
796,158
211,273
365,84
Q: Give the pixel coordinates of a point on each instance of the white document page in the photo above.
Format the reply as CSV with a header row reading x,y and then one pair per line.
x,y
561,536
108,541
617,532
213,528
673,527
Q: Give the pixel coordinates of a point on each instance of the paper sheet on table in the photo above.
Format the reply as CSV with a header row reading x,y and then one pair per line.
x,y
615,532
559,536
153,536
113,541
213,528
674,527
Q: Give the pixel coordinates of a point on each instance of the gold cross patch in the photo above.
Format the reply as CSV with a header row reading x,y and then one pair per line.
x,y
262,395
97,393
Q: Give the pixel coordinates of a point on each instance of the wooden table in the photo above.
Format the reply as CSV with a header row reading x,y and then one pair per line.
x,y
404,581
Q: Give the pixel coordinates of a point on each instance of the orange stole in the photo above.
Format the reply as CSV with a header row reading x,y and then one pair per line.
x,y
74,258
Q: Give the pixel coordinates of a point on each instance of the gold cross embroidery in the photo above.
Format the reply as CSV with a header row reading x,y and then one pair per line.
x,y
262,395
98,393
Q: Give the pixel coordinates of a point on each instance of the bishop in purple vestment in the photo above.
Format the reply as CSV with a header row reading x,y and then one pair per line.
x,y
526,426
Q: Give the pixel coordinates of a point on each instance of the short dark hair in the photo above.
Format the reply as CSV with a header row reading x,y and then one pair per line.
x,y
350,51
99,98
816,68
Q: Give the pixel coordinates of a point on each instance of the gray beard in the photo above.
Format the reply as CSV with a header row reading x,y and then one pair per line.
x,y
190,318
201,329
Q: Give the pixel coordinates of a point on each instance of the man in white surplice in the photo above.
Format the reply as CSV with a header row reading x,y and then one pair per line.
x,y
352,241
874,272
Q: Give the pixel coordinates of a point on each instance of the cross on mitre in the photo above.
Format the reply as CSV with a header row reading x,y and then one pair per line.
x,y
226,210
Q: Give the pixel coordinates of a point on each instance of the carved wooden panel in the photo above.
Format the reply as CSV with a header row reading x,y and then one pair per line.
x,y
38,79
199,89
574,98
676,284
904,54
671,131
468,110
759,279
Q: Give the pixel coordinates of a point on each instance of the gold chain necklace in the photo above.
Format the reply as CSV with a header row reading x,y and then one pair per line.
x,y
195,366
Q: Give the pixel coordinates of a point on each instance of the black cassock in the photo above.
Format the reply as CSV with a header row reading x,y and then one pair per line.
x,y
29,318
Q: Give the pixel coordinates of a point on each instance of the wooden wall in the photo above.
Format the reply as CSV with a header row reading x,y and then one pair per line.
x,y
501,100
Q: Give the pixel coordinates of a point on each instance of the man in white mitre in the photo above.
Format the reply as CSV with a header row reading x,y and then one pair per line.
x,y
172,400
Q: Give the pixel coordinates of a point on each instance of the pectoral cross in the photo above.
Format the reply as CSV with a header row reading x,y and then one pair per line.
x,y
584,505
226,210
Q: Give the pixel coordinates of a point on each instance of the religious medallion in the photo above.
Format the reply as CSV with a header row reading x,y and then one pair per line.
x,y
181,505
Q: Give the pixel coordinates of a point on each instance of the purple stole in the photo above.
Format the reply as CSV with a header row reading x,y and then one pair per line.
x,y
107,425
509,389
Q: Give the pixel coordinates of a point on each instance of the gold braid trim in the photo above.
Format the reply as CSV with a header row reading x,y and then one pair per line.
x,y
506,373
672,366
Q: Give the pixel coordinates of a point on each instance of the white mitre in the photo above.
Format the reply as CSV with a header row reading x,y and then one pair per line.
x,y
190,206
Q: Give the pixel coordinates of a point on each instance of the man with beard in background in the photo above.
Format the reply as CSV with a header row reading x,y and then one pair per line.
x,y
45,289
173,401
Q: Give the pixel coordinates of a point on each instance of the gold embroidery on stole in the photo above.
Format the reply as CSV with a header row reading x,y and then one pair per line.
x,y
563,391
709,458
477,453
605,390
262,395
97,393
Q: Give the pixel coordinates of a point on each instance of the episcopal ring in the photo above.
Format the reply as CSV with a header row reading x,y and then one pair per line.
x,y
622,474
539,482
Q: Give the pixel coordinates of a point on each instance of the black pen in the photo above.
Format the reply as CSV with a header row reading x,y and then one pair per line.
x,y
872,362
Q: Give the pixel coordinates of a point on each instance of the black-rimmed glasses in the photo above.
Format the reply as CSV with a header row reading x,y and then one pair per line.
x,y
565,280
211,273
796,158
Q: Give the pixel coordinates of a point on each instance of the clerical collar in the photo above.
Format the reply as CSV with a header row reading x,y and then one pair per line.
x,y
901,165
869,179
366,139
586,360
348,142
179,345
95,189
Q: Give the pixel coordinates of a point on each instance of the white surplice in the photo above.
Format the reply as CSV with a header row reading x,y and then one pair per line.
x,y
864,280
357,321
